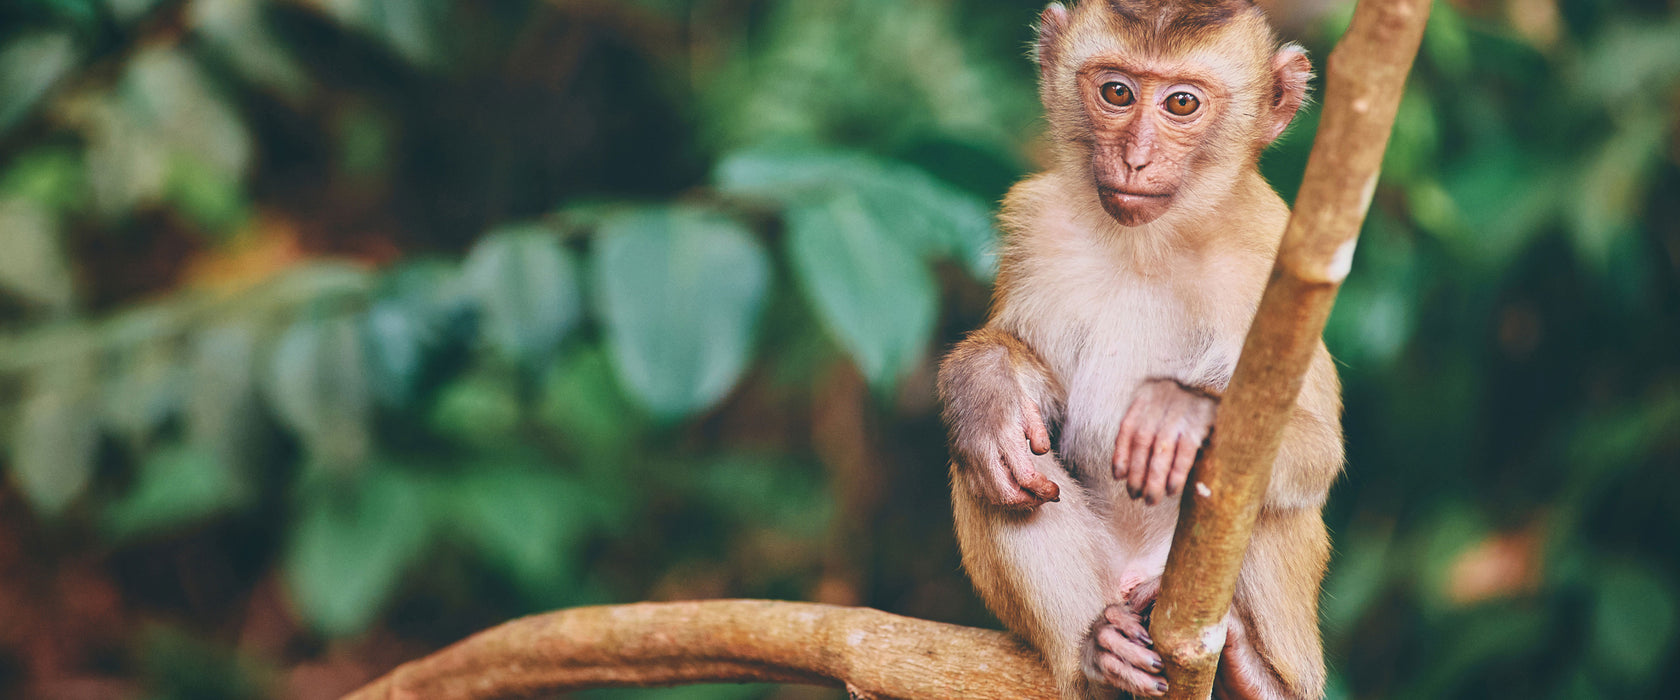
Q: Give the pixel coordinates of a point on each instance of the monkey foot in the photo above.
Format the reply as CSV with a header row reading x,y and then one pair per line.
x,y
1118,655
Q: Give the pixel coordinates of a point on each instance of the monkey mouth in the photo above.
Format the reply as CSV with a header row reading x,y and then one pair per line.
x,y
1131,197
1133,208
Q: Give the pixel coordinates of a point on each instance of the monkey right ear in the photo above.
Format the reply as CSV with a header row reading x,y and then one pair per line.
x,y
1052,24
1290,73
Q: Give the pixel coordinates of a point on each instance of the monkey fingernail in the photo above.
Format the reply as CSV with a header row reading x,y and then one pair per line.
x,y
1156,665
1161,686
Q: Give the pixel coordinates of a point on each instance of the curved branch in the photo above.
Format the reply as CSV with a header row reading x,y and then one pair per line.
x,y
871,653
1364,79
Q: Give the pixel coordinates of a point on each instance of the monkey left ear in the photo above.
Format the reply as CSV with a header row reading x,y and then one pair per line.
x,y
1052,24
1290,72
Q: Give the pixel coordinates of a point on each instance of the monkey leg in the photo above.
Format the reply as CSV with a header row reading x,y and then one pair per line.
x,y
1042,571
1272,645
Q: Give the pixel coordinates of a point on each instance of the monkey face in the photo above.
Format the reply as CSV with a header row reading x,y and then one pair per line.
x,y
1146,126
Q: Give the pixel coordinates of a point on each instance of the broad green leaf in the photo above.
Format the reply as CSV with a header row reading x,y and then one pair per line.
x,y
319,387
928,216
349,549
679,292
874,294
523,522
57,435
1634,617
29,67
527,288
33,265
176,486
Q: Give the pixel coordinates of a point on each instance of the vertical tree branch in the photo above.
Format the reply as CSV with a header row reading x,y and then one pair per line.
x,y
1364,78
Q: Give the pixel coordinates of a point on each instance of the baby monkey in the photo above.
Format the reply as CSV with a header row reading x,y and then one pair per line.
x,y
1129,274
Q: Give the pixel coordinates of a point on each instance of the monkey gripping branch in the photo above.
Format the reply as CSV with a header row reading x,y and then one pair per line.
x,y
877,655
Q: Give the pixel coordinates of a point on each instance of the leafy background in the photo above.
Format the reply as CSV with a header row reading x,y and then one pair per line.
x,y
334,330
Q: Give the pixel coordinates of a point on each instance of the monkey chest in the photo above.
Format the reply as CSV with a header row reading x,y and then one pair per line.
x,y
1104,340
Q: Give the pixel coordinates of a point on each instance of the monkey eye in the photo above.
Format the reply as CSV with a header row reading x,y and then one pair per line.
x,y
1117,94
1183,104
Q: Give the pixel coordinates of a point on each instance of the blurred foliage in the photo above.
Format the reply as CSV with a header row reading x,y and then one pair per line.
x,y
334,330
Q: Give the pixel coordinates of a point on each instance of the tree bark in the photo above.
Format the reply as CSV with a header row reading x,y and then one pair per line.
x,y
1364,80
871,653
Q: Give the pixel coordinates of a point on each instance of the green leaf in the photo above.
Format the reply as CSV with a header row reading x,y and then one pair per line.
x,y
527,288
319,387
53,177
875,295
349,550
523,522
29,67
1633,621
479,409
413,29
1610,198
932,218
222,412
212,199
582,400
679,292
176,486
237,30
33,266
57,435
145,391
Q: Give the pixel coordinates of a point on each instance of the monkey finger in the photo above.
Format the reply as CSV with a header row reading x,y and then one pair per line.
x,y
1146,425
1123,446
1160,467
1131,678
1129,623
1030,479
1188,448
1129,651
1038,437
997,484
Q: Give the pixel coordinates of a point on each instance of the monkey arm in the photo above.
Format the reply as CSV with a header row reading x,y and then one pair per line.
x,y
999,399
1311,454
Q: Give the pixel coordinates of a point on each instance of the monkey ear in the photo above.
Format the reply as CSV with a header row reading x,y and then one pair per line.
x,y
1052,24
1290,72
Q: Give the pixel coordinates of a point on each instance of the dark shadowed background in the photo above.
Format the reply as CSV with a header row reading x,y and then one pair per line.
x,y
334,330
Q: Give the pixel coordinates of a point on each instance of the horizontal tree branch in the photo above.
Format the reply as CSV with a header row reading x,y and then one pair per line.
x,y
871,653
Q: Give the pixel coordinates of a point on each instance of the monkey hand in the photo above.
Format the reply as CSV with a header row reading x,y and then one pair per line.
x,y
1117,651
998,463
1160,436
